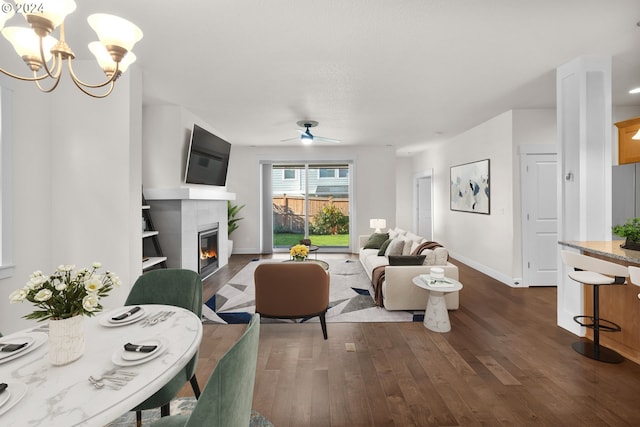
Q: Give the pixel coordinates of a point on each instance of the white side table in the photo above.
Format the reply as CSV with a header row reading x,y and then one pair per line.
x,y
436,316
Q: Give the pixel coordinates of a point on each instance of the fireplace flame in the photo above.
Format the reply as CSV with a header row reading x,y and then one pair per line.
x,y
208,254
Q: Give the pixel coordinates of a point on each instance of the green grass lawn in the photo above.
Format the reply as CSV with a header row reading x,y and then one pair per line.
x,y
290,239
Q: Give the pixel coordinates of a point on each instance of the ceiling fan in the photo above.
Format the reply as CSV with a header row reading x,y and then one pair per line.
x,y
306,137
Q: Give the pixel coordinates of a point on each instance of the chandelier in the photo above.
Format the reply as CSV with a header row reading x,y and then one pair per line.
x,y
39,50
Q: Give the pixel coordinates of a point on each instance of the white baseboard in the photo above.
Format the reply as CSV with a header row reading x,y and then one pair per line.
x,y
246,251
513,282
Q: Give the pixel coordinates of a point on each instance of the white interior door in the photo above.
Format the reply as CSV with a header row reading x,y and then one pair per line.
x,y
424,208
540,220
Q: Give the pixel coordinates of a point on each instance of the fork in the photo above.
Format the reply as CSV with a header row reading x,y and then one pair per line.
x,y
167,315
148,321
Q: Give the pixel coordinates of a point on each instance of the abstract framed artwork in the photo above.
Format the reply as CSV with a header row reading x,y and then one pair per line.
x,y
470,187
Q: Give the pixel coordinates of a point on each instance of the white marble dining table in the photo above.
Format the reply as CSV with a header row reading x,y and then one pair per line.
x,y
52,396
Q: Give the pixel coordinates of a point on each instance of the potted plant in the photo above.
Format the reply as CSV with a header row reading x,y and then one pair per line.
x,y
232,221
631,232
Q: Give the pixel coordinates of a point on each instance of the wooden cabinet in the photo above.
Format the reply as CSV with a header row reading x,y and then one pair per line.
x,y
628,149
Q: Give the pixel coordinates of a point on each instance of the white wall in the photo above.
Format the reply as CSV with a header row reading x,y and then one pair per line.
x,y
489,243
374,181
404,195
166,133
76,185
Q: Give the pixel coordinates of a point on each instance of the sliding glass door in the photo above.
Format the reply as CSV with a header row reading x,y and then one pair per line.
x,y
311,201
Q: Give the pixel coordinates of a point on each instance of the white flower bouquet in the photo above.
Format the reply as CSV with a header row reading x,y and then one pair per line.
x,y
67,292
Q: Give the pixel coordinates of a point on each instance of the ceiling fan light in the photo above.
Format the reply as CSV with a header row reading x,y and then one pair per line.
x,y
306,138
5,16
27,43
117,34
53,12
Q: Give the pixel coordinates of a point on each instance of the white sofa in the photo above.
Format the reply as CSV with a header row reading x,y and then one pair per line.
x,y
398,290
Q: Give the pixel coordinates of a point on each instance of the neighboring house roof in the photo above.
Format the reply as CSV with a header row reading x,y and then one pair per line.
x,y
333,190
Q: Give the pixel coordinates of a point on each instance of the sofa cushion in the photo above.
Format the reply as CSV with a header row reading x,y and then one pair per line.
x,y
430,257
396,232
406,249
376,240
395,247
413,237
384,247
406,259
442,256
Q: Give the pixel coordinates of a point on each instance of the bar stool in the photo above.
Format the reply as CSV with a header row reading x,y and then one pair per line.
x,y
634,275
595,272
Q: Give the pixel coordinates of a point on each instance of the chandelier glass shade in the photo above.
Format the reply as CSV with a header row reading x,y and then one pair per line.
x,y
45,55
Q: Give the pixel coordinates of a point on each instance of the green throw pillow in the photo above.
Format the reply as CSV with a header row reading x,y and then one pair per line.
x,y
384,246
376,240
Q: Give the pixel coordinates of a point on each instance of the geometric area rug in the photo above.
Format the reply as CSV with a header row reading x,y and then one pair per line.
x,y
179,406
350,298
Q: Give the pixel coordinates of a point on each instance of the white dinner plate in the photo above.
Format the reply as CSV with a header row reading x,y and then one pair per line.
x,y
118,357
16,393
105,319
33,340
4,397
133,355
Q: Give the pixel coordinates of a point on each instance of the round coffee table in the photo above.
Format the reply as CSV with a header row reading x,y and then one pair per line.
x,y
323,264
436,315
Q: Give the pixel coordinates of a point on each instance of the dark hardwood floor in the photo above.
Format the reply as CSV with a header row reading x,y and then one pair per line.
x,y
505,363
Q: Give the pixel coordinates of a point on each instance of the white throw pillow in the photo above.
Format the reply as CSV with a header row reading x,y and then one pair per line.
x,y
406,250
413,237
441,256
395,247
393,233
431,257
400,231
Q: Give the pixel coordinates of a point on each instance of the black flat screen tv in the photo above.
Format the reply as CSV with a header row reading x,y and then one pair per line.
x,y
207,158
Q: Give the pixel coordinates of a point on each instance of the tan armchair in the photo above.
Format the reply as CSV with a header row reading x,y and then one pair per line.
x,y
292,290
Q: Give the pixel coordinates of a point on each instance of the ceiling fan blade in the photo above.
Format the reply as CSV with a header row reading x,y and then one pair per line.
x,y
297,138
322,138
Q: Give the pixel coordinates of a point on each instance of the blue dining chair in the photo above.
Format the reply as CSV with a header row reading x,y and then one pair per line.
x,y
226,399
177,287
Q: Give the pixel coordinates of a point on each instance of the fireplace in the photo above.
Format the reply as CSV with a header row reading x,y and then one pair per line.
x,y
207,249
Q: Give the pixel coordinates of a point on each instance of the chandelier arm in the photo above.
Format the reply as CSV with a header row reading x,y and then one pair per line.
x,y
57,63
80,83
25,79
93,95
55,85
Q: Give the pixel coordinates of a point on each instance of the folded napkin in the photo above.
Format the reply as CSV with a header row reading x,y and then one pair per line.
x,y
8,348
3,387
140,348
123,316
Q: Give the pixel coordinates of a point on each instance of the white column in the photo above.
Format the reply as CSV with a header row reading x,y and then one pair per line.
x,y
584,187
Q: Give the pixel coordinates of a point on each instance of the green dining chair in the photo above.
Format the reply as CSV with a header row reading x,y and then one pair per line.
x,y
177,287
226,399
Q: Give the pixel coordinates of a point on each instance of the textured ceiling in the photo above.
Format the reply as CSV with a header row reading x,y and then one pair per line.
x,y
402,73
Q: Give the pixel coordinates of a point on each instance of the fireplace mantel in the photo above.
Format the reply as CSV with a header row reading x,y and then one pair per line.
x,y
187,193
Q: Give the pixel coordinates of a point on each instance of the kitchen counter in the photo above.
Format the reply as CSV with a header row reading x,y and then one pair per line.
x,y
610,249
618,303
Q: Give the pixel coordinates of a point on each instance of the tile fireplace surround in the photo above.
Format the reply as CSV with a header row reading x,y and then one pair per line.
x,y
179,213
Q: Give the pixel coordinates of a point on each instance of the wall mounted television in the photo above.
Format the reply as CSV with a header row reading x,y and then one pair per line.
x,y
207,158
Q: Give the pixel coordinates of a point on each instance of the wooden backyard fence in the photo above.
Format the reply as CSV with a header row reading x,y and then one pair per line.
x,y
288,211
